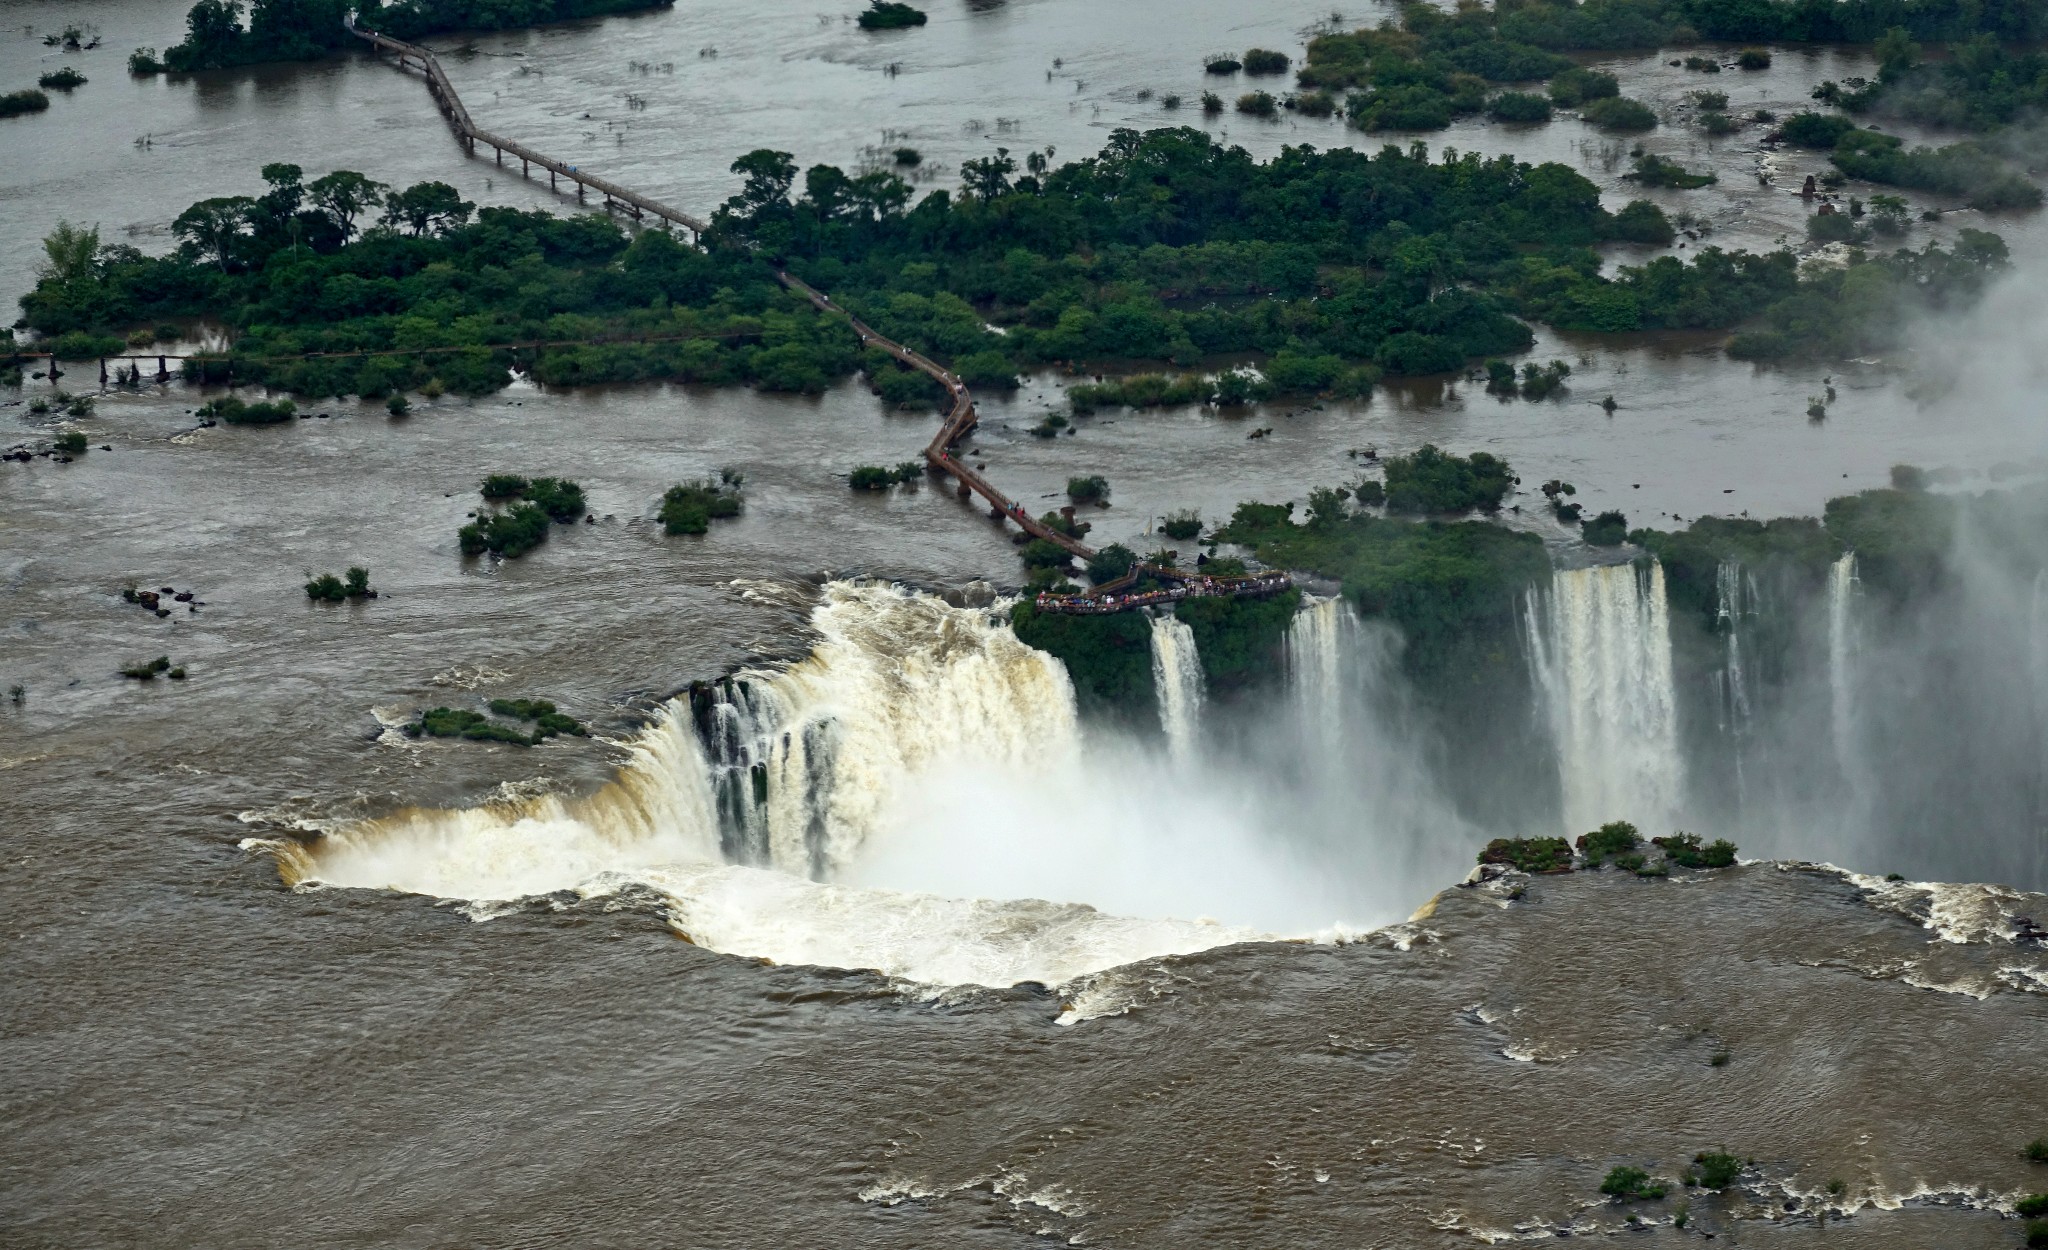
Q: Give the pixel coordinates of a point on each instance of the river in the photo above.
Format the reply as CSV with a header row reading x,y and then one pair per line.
x,y
1249,1039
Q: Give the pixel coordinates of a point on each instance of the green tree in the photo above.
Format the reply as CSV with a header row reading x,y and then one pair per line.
x,y
345,195
427,206
69,254
215,228
989,177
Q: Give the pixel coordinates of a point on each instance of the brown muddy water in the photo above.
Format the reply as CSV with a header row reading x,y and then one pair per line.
x,y
857,1045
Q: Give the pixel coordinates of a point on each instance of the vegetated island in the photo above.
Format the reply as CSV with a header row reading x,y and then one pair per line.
x,y
304,30
1431,67
1327,268
889,15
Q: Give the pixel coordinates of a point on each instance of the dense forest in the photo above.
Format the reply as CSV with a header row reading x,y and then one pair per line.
x,y
216,36
1165,247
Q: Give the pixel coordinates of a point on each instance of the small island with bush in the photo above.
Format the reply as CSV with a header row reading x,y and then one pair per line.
x,y
890,15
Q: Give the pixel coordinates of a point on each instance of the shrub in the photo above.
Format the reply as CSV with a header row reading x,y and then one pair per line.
x,y
1753,58
327,588
1618,113
1518,106
1169,101
1265,61
2037,1235
1223,65
1111,563
1609,529
909,158
501,486
62,80
1703,65
1091,489
1830,227
1258,104
81,345
509,534
148,672
16,103
1212,104
1631,1184
1815,130
1577,86
1710,101
1640,221
1542,381
888,15
1655,171
2037,1150
448,722
143,62
1432,480
2032,1206
1719,124
1610,841
1684,849
559,497
1529,854
1181,526
233,411
71,443
875,477
1040,553
691,507
1714,1169
548,720
1315,104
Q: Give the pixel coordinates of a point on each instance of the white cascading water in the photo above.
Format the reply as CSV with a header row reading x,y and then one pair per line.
x,y
1842,663
1601,645
1177,678
919,746
1736,603
1323,633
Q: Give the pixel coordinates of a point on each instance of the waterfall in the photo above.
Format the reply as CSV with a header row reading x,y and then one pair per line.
x,y
778,814
1177,677
1841,661
1319,641
1601,649
1736,602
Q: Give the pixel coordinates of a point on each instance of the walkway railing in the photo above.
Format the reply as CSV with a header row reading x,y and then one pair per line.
x,y
961,416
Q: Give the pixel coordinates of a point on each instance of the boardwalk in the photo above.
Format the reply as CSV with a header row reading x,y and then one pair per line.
x,y
960,412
